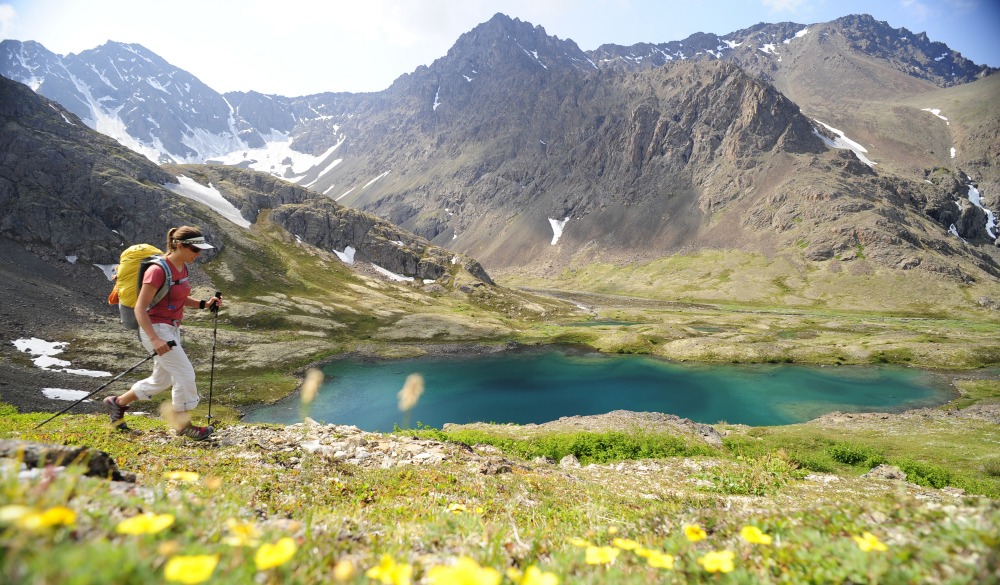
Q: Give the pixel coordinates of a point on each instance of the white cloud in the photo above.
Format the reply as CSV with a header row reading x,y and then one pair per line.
x,y
916,9
783,5
8,20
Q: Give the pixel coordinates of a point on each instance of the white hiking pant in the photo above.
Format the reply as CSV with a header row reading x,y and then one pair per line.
x,y
170,369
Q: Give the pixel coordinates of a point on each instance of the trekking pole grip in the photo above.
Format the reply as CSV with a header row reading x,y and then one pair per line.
x,y
215,308
170,343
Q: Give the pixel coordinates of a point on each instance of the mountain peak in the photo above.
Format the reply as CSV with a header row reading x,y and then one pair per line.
x,y
504,42
912,53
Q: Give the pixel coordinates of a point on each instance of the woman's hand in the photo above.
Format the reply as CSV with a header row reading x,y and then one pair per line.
x,y
159,346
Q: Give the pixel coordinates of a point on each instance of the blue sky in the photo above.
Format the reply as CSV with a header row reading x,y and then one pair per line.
x,y
298,47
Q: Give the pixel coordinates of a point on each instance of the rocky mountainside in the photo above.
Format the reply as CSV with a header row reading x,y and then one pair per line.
x,y
525,151
70,192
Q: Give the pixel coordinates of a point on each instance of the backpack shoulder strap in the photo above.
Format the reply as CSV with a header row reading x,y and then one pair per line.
x,y
167,280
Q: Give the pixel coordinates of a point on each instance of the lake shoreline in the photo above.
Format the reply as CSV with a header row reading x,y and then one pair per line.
x,y
940,382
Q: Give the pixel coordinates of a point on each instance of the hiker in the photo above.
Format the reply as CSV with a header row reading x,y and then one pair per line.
x,y
160,326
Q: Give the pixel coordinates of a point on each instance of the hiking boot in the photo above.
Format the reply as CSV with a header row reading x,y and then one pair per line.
x,y
196,433
116,412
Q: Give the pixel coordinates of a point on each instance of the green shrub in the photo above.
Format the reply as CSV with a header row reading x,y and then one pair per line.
x,y
926,474
751,477
856,454
818,462
587,447
748,447
991,467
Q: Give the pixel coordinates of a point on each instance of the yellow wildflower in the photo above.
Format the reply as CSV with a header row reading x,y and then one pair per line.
x,y
190,569
343,571
625,543
274,555
718,561
241,533
694,533
532,576
187,476
465,571
659,560
147,523
601,555
56,516
612,530
575,541
753,535
388,572
869,542
457,508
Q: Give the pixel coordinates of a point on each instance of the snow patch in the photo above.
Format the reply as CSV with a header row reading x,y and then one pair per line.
x,y
110,270
64,394
277,157
210,196
325,170
842,142
771,49
369,183
557,228
347,256
937,113
43,352
798,35
392,275
991,221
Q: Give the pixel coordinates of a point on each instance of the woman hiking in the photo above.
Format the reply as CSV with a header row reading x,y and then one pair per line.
x,y
160,326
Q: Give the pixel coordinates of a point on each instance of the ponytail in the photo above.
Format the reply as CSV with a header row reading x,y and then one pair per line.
x,y
170,239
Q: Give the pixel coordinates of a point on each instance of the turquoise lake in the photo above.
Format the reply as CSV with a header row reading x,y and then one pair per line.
x,y
536,386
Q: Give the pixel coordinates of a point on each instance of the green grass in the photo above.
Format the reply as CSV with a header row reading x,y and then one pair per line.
x,y
936,452
586,447
634,489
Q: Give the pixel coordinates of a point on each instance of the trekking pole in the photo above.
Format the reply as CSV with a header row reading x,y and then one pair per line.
x,y
144,360
211,376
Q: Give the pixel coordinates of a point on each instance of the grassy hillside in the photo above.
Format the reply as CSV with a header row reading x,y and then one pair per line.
x,y
279,505
747,308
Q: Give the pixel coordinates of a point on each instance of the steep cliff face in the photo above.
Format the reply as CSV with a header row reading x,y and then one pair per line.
x,y
330,226
673,138
68,191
